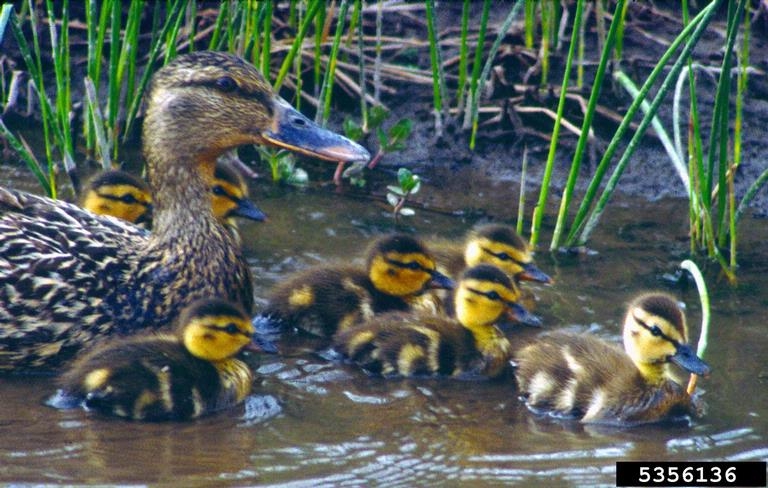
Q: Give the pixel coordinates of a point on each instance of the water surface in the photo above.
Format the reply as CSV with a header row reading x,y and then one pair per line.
x,y
311,422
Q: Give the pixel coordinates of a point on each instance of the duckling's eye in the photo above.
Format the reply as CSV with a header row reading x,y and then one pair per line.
x,y
503,256
226,84
493,295
231,329
412,265
128,199
218,191
655,331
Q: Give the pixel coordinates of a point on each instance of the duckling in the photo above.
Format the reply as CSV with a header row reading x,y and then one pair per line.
x,y
327,298
119,194
420,344
166,376
496,244
122,195
68,276
583,377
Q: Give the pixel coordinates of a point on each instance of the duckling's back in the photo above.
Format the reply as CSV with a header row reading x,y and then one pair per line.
x,y
582,377
412,344
325,299
145,378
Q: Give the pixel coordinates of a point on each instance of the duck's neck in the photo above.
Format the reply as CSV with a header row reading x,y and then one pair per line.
x,y
181,197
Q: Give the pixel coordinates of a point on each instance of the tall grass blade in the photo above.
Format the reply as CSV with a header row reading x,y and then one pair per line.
x,y
586,125
480,83
437,70
701,286
697,26
27,157
538,211
330,74
312,11
469,115
103,142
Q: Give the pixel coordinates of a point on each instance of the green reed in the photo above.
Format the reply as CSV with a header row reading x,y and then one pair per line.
x,y
586,126
538,211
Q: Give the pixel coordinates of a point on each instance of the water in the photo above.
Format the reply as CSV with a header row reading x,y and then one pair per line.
x,y
311,422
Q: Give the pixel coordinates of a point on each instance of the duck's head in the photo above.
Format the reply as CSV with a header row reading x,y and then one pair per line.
x,y
206,102
229,196
501,246
400,265
484,293
118,194
655,333
214,329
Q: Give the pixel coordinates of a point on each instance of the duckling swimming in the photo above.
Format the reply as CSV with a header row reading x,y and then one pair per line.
x,y
580,376
166,376
419,344
496,244
324,299
68,276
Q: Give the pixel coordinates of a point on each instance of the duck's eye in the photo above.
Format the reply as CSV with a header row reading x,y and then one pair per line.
x,y
655,331
128,199
218,191
504,256
226,84
231,329
413,265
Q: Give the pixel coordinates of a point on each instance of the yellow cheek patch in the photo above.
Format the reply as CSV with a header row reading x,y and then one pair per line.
x,y
302,297
96,379
391,274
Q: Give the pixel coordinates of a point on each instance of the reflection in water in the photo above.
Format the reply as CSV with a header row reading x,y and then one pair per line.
x,y
314,422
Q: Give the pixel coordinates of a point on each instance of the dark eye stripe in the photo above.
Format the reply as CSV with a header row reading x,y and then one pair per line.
x,y
409,265
491,295
501,255
656,331
122,198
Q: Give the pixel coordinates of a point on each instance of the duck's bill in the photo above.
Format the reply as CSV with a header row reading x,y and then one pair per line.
x,y
521,315
440,281
532,273
293,131
687,359
246,209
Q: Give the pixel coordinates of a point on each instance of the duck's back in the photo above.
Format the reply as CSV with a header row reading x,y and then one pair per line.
x,y
60,266
583,377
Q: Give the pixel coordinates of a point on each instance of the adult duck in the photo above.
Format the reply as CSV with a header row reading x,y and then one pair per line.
x,y
69,276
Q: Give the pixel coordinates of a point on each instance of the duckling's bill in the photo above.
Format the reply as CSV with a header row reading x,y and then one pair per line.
x,y
440,281
533,273
686,358
246,209
521,315
292,130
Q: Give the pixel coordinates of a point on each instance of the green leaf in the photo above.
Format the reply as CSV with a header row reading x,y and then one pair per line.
x,y
396,190
382,137
376,116
352,130
407,211
393,199
398,133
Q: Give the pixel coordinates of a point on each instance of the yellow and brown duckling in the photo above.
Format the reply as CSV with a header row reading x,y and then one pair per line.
x,y
119,194
166,376
122,195
496,244
417,344
583,377
325,299
68,276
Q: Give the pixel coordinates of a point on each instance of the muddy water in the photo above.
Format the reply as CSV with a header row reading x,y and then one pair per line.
x,y
311,422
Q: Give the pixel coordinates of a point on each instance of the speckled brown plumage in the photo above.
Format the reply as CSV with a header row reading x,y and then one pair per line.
x,y
68,276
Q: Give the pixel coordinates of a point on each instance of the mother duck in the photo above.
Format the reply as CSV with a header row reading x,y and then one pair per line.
x,y
68,276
